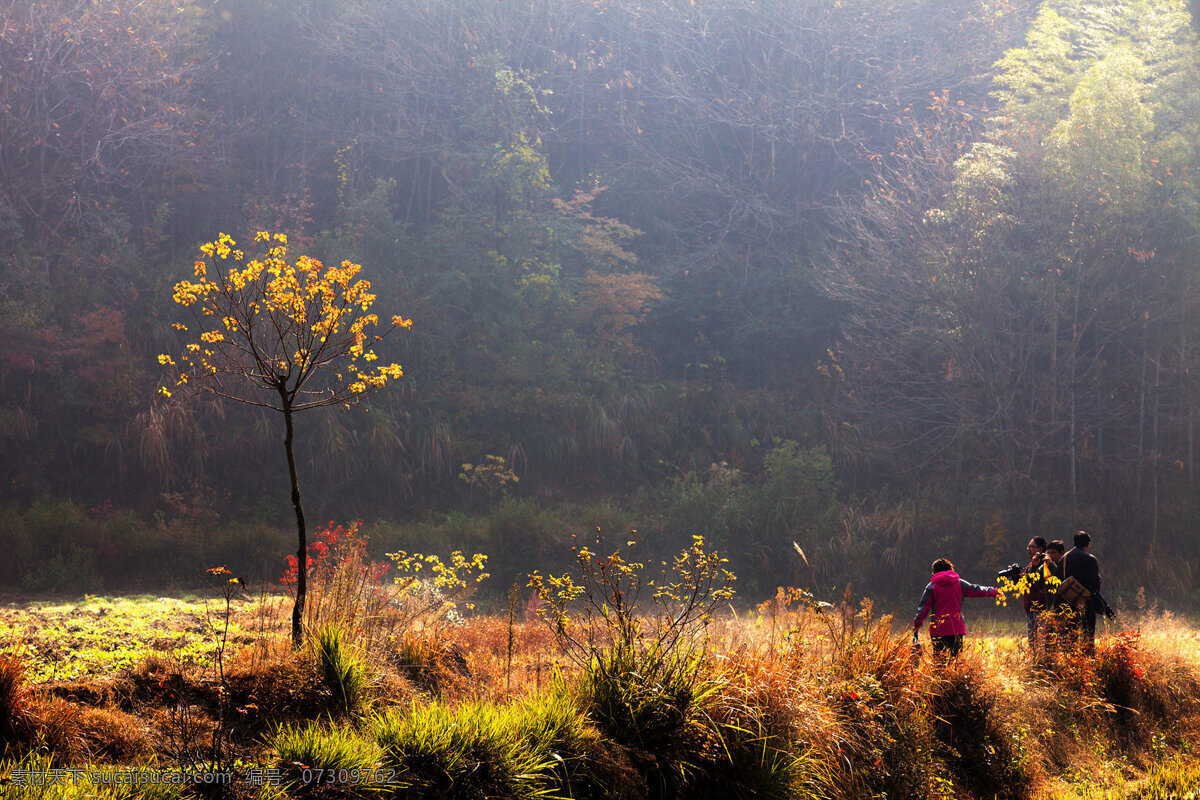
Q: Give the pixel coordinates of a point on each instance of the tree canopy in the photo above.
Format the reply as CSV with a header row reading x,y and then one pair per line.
x,y
939,255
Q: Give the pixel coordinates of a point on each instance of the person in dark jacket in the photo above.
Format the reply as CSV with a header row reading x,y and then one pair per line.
x,y
942,603
1083,567
1034,601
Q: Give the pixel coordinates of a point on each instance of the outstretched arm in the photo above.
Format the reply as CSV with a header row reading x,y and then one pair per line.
x,y
971,590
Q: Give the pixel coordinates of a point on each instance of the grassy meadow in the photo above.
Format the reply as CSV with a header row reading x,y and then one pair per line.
x,y
597,684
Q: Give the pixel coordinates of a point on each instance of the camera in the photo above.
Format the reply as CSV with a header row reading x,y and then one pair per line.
x,y
1012,572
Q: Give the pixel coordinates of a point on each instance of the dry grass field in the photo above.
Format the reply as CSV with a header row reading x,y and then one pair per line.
x,y
400,692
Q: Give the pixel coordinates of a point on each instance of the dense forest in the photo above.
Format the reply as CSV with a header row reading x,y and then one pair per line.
x,y
841,285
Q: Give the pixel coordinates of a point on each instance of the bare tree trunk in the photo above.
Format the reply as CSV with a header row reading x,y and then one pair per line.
x,y
1154,446
1074,449
1071,385
302,550
1185,391
1141,424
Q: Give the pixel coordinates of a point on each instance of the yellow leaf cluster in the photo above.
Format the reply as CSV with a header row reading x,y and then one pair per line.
x,y
458,573
277,321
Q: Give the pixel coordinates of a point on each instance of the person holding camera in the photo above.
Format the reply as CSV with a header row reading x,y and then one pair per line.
x,y
1084,568
942,603
1034,600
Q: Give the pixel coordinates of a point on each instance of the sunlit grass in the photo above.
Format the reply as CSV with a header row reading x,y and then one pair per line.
x,y
513,750
795,702
325,746
42,782
1174,779
99,636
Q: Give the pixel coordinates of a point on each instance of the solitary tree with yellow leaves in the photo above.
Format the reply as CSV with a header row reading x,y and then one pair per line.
x,y
279,335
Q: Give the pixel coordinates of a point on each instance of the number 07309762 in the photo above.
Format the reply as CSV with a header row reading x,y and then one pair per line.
x,y
348,776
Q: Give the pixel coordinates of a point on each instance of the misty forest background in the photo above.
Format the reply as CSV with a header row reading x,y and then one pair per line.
x,y
889,279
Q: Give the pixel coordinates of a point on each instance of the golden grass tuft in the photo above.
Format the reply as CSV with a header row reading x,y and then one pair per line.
x,y
113,735
14,700
270,683
430,660
58,730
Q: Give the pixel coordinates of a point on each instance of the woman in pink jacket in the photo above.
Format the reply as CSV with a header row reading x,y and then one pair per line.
x,y
942,603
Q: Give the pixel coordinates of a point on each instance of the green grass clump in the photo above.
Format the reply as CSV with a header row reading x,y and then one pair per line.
x,y
753,753
329,747
693,729
524,750
651,702
343,671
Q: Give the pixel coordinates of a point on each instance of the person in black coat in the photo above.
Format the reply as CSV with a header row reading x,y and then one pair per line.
x,y
1083,567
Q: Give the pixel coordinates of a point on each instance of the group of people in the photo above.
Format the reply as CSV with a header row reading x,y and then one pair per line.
x,y
1047,599
1060,586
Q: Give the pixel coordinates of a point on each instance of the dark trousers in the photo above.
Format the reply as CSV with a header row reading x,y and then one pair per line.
x,y
1087,629
1081,626
947,644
